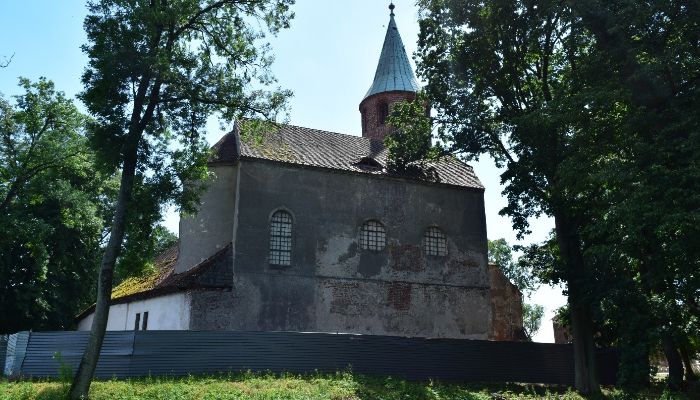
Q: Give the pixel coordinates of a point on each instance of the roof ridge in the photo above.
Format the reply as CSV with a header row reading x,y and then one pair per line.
x,y
328,132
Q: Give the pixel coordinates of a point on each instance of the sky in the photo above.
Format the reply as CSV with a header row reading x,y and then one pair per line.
x,y
327,58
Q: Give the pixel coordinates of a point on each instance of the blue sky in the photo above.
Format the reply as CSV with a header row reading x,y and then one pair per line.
x,y
327,59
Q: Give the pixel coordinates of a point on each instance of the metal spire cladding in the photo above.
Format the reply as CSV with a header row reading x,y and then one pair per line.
x,y
394,72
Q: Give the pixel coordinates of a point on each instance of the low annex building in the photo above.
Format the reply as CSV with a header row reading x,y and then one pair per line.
x,y
307,231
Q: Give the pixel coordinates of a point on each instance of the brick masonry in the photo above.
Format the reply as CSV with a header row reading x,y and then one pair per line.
x,y
506,307
375,109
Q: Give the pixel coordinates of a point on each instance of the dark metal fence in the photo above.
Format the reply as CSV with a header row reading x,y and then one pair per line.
x,y
3,351
177,353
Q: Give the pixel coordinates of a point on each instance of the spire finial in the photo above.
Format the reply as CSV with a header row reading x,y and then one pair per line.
x,y
391,7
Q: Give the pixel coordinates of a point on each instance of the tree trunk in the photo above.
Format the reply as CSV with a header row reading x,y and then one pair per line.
x,y
685,356
88,363
586,374
675,365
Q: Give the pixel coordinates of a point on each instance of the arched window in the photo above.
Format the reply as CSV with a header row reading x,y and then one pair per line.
x,y
383,112
434,242
372,236
281,238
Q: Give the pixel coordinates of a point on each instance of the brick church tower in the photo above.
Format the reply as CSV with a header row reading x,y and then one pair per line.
x,y
394,81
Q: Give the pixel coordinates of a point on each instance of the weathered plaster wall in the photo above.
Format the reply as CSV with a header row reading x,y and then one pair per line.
x,y
211,228
334,286
168,312
116,321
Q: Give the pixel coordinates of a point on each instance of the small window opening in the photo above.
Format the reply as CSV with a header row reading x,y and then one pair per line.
x,y
372,236
383,112
144,325
434,242
137,322
281,239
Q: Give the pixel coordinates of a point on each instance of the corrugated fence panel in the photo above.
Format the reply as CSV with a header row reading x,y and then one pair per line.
x,y
45,349
15,353
3,352
177,353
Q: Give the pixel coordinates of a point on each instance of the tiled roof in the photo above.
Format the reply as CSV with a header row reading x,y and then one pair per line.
x,y
394,72
216,272
315,148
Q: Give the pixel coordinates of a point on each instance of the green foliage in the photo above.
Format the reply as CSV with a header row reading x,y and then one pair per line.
x,y
53,210
157,71
591,108
410,145
543,260
65,371
345,386
532,319
142,244
641,189
519,274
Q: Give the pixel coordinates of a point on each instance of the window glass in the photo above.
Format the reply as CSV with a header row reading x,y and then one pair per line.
x,y
372,236
281,238
434,242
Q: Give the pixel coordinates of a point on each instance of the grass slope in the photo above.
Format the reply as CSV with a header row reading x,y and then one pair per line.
x,y
341,386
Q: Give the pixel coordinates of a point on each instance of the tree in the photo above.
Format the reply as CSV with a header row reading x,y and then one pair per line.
x,y
6,61
52,210
532,319
501,254
157,70
503,77
642,188
410,144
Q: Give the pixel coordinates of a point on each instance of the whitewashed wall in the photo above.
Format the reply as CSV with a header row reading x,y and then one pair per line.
x,y
169,312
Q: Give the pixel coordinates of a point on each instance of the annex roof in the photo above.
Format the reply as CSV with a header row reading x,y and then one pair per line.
x,y
394,72
322,149
214,273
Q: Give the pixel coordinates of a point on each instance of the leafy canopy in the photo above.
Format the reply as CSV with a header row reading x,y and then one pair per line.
x,y
52,212
410,146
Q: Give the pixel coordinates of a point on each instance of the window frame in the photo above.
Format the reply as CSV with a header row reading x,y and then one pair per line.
x,y
368,246
436,245
282,239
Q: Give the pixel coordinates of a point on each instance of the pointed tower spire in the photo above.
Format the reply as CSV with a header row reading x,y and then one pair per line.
x,y
393,81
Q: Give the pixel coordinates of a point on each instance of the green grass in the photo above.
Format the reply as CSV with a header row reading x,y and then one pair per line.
x,y
341,386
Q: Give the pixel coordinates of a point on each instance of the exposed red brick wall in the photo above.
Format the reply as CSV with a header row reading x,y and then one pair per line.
x,y
406,257
399,296
562,334
506,307
371,109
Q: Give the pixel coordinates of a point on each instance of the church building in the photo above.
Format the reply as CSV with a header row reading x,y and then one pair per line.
x,y
307,231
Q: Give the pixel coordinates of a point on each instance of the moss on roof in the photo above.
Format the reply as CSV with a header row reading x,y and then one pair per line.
x,y
136,284
163,267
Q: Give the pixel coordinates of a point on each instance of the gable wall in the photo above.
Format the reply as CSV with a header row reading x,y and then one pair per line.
x,y
211,228
334,286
